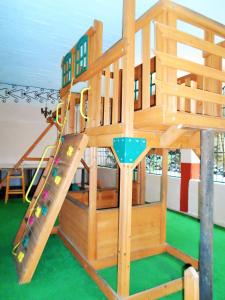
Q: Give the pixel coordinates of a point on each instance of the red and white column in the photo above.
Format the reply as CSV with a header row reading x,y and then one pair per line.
x,y
190,169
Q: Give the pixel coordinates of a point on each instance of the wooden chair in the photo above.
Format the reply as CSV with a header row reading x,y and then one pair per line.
x,y
15,174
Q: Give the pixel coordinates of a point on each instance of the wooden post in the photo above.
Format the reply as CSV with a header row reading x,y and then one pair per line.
x,y
126,171
145,67
141,180
206,215
94,99
191,284
212,85
92,204
164,181
72,114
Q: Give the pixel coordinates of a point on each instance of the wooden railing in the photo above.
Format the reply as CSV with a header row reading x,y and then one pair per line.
x,y
203,88
199,92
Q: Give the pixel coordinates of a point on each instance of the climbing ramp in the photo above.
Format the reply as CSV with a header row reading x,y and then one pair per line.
x,y
46,204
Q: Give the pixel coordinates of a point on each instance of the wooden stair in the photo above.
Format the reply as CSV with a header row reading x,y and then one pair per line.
x,y
35,236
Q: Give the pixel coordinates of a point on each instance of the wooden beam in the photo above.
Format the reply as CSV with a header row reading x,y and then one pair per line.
x,y
190,40
182,256
194,93
159,291
172,134
189,66
126,171
196,19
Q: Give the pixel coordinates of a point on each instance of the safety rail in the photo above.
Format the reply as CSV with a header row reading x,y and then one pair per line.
x,y
204,88
197,93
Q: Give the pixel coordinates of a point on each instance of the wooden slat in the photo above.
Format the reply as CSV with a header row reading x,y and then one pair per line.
x,y
145,66
72,114
115,109
194,93
189,66
196,19
171,73
190,40
106,97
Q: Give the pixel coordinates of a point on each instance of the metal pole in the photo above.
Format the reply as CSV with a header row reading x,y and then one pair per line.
x,y
206,215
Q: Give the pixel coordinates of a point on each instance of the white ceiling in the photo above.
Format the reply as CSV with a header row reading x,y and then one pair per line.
x,y
36,34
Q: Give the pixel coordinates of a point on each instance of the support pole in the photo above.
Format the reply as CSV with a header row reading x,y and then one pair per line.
x,y
92,226
206,215
126,170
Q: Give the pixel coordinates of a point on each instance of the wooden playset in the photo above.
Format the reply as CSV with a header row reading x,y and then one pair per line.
x,y
166,102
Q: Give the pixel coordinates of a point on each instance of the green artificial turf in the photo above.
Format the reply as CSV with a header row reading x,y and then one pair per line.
x,y
59,276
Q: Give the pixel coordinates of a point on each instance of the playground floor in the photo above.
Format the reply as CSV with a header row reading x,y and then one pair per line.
x,y
59,276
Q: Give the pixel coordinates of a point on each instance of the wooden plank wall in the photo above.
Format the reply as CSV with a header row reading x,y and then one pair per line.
x,y
145,229
73,220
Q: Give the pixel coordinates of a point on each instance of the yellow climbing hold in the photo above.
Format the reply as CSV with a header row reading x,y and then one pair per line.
x,y
58,180
38,211
70,151
20,256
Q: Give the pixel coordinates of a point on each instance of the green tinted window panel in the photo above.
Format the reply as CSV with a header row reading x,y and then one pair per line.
x,y
81,61
136,89
67,69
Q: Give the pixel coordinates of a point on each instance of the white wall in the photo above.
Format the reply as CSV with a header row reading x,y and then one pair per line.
x,y
152,193
20,125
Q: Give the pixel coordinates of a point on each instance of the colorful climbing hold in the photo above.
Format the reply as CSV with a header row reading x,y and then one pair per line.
x,y
44,210
45,195
54,172
25,241
57,161
20,256
70,151
38,211
31,220
58,180
62,139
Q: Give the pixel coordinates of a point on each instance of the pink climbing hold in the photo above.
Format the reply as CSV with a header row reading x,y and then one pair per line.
x,y
45,195
31,220
57,160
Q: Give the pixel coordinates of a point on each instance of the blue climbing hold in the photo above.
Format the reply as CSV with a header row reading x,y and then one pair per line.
x,y
62,139
25,241
44,210
54,172
128,149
